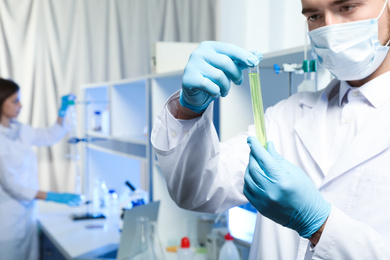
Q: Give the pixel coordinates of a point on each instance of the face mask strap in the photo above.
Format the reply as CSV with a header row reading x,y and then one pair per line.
x,y
383,9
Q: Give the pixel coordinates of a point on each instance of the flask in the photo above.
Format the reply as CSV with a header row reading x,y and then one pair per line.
x,y
185,252
156,242
112,212
142,248
229,250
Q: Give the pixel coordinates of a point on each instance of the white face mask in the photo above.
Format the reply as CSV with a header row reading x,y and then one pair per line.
x,y
350,51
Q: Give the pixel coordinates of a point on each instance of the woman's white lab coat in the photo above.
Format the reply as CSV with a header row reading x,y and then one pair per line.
x,y
19,186
205,175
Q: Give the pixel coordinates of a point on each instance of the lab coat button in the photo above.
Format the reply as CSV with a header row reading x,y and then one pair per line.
x,y
173,134
355,93
346,120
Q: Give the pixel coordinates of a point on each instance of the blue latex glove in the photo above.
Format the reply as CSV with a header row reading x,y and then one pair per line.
x,y
66,198
282,192
64,104
209,71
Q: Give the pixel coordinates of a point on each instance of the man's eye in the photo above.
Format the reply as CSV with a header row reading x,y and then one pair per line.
x,y
313,18
347,8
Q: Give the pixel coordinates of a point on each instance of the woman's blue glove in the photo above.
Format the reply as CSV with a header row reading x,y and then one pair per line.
x,y
282,192
64,104
209,71
66,198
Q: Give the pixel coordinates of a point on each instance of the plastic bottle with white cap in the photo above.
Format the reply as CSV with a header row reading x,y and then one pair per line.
x,y
229,250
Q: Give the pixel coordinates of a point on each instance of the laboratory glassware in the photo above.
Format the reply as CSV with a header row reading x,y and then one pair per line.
x,y
257,104
142,247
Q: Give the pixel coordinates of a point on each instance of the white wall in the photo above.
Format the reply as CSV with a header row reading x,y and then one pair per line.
x,y
265,25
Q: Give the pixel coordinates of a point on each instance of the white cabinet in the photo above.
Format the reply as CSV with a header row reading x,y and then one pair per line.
x,y
122,150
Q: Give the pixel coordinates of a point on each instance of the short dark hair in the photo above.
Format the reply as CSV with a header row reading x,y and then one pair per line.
x,y
7,89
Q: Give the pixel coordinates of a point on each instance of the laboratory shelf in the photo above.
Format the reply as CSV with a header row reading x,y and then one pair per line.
x,y
134,150
96,134
129,104
162,88
128,108
115,168
97,99
138,139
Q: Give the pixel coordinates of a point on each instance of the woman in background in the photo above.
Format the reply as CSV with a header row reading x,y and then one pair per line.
x,y
19,187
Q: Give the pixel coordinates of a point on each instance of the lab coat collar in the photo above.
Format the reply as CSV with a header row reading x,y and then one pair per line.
x,y
376,91
312,137
12,131
344,88
329,92
373,138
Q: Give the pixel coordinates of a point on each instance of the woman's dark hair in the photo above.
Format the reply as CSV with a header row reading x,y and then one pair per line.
x,y
7,89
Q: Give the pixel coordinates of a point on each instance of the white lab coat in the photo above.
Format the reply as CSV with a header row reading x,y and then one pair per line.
x,y
19,186
205,175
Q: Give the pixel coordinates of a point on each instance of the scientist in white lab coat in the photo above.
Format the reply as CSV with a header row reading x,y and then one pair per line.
x,y
322,187
19,176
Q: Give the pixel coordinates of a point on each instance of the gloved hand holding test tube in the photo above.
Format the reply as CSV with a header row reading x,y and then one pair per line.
x,y
278,189
257,104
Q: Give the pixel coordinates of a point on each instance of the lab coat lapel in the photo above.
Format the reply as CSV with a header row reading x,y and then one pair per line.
x,y
370,141
311,128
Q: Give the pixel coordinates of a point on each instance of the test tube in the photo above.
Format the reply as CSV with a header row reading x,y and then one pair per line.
x,y
257,104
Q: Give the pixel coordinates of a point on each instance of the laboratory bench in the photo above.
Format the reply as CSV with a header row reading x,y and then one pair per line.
x,y
62,238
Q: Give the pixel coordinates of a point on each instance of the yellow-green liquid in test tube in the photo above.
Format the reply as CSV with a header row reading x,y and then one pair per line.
x,y
257,105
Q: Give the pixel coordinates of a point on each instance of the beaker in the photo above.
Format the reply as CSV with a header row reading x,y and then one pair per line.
x,y
156,242
142,247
